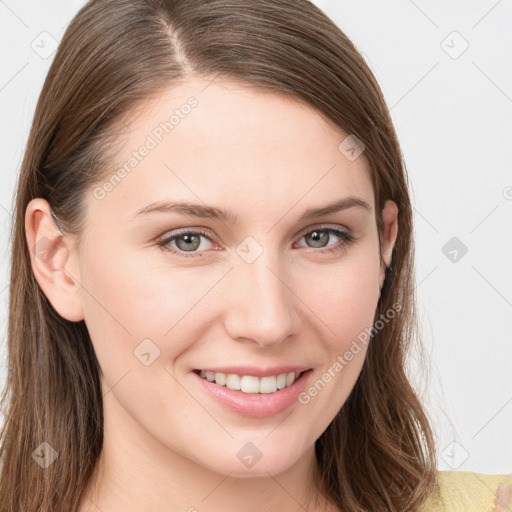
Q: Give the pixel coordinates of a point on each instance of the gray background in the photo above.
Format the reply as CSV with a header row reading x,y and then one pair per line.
x,y
452,107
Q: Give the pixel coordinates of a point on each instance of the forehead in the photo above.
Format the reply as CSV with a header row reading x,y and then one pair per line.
x,y
227,141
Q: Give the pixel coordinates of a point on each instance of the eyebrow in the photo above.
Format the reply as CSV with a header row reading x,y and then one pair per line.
x,y
211,212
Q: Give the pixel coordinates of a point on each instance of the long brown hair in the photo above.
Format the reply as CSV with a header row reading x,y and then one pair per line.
x,y
378,452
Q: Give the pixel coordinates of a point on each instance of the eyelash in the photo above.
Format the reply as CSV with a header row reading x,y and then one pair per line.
x,y
346,237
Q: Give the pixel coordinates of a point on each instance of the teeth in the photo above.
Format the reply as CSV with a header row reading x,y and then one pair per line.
x,y
290,378
268,384
233,381
250,383
220,379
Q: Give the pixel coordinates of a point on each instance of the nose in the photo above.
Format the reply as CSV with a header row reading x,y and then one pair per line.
x,y
260,303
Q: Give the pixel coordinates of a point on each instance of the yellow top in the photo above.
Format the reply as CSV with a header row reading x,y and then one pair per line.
x,y
465,491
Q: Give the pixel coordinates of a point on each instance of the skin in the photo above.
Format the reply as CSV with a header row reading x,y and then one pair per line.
x,y
504,498
266,158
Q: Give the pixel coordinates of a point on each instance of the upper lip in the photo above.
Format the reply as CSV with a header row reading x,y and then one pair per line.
x,y
256,371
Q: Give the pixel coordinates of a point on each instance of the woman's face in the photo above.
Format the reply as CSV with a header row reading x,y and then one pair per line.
x,y
263,290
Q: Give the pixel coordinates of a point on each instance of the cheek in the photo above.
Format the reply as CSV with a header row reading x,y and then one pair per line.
x,y
141,296
346,306
344,298
135,306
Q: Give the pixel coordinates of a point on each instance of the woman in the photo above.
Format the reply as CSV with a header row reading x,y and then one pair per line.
x,y
212,275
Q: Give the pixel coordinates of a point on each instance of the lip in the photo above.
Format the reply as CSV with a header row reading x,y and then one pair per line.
x,y
255,405
255,371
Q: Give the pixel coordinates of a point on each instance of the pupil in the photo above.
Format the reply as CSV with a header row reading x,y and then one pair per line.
x,y
317,237
189,242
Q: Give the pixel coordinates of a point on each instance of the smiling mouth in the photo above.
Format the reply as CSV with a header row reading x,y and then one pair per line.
x,y
250,383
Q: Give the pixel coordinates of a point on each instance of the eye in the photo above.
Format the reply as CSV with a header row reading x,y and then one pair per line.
x,y
320,236
189,241
186,241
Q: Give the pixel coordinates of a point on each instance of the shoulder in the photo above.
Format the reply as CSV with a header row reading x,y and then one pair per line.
x,y
462,491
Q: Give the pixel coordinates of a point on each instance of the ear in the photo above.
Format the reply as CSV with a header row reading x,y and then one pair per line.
x,y
54,261
390,221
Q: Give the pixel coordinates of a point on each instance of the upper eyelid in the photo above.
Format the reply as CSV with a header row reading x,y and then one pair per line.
x,y
205,232
324,226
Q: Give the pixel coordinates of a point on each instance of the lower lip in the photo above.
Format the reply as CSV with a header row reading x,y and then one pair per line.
x,y
255,405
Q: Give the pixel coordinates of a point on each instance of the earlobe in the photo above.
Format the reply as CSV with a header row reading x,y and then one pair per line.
x,y
53,261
